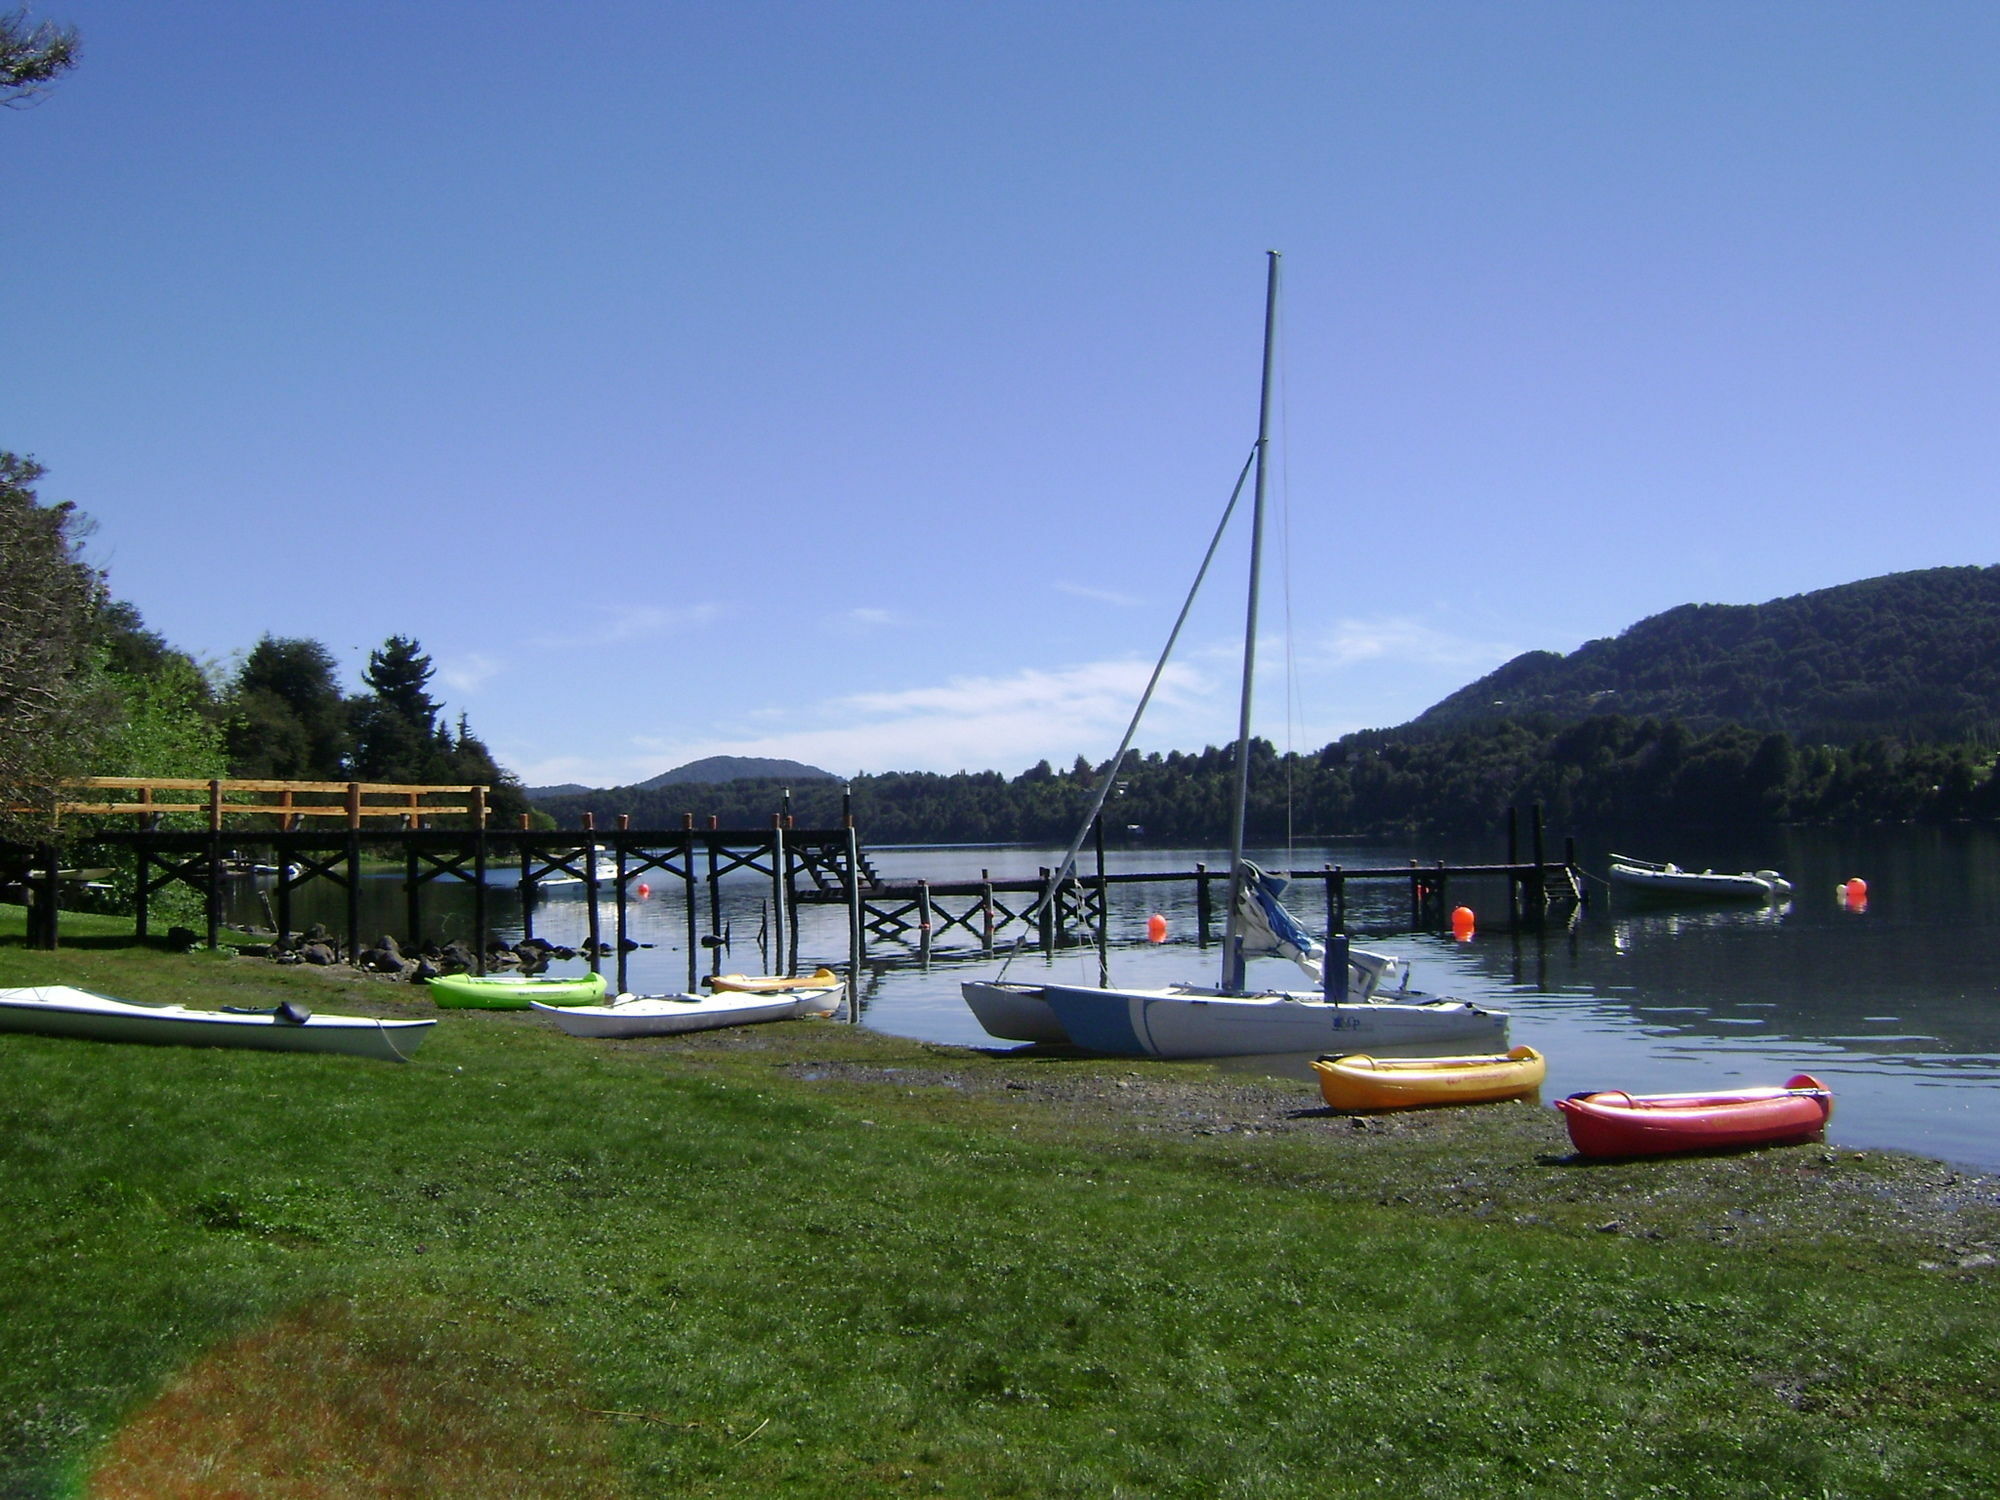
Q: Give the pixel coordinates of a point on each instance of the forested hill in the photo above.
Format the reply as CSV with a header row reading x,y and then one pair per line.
x,y
1912,655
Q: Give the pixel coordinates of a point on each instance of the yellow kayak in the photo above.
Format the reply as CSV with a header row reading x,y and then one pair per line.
x,y
1363,1082
768,984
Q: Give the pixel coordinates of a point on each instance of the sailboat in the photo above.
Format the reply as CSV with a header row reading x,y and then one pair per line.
x,y
1349,1009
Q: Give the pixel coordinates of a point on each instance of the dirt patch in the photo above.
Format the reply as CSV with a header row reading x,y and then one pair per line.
x,y
333,1401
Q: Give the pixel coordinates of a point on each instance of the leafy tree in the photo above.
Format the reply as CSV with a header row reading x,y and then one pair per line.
x,y
473,764
287,716
56,709
32,56
396,736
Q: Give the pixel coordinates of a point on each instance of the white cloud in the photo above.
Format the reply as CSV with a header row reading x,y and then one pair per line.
x,y
1102,596
1395,638
608,624
1004,723
1360,673
466,675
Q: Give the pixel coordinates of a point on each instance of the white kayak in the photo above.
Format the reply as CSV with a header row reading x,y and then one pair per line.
x,y
60,1010
666,1015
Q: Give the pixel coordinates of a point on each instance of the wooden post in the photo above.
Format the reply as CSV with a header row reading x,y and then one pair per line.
x,y
1514,891
691,898
778,913
1538,897
1047,908
479,912
986,908
354,875
788,860
714,896
924,920
618,855
412,906
142,851
527,885
1204,913
213,903
1336,899
594,932
1103,891
1416,896
857,935
43,922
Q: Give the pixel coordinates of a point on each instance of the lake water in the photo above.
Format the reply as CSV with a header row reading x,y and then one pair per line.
x,y
1895,1007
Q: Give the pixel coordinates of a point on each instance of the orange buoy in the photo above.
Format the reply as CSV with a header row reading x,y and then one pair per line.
x,y
1462,923
644,890
1156,928
1853,894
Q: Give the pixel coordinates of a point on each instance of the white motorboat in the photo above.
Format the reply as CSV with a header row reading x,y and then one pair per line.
x,y
669,1015
60,1010
1670,882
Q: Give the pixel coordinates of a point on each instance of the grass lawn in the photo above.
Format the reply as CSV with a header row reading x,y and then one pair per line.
x,y
806,1260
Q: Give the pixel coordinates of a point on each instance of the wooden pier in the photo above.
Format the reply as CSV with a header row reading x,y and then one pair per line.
x,y
195,833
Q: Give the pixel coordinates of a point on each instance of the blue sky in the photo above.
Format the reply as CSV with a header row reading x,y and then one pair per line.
x,y
860,382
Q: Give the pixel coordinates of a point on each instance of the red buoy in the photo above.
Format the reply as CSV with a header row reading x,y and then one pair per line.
x,y
1156,928
1462,923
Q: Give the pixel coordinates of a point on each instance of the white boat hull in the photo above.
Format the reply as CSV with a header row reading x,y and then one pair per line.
x,y
1183,1021
1017,1012
1670,882
1012,1012
60,1010
670,1015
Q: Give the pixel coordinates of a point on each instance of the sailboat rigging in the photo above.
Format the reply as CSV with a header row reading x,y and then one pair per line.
x,y
1184,1020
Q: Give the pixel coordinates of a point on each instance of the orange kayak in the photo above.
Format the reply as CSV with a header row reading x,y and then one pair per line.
x,y
1363,1082
767,984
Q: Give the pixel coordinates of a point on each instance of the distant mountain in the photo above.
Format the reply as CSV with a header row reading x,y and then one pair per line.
x,y
720,768
1915,655
712,771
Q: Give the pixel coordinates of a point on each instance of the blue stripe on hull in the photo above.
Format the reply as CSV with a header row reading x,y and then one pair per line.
x,y
1097,1020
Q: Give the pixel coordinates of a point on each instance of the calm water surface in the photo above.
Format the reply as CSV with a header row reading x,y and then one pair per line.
x,y
1896,1008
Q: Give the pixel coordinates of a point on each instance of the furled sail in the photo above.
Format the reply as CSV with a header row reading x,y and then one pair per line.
x,y
1267,928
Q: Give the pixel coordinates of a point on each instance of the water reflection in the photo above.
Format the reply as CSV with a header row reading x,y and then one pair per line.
x,y
1897,1007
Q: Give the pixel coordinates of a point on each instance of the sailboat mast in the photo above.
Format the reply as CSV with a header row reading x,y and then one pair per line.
x,y
1232,961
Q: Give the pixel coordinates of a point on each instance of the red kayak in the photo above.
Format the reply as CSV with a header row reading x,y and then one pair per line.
x,y
1614,1123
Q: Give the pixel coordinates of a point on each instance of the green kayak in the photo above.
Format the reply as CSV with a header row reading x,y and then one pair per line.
x,y
514,991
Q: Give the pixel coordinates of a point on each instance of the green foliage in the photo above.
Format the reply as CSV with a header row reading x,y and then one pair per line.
x,y
1915,655
166,728
397,736
32,56
56,708
288,719
165,725
1603,772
